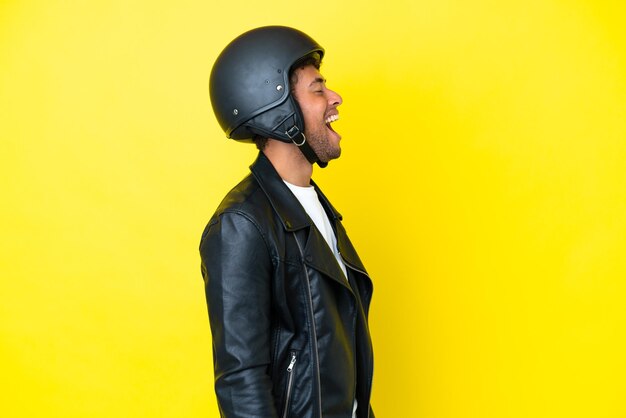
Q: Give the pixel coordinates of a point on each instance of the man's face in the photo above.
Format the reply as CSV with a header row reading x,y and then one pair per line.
x,y
319,108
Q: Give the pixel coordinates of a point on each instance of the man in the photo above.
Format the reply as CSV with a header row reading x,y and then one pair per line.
x,y
287,294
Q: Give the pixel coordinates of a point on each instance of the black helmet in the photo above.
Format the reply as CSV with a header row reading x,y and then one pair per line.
x,y
250,90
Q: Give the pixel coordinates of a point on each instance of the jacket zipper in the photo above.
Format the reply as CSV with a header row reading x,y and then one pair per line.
x,y
292,363
366,275
354,268
313,330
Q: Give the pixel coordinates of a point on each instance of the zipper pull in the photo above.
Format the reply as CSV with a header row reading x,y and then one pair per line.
x,y
291,363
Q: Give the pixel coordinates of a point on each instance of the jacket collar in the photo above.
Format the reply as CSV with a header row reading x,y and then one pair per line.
x,y
282,200
294,218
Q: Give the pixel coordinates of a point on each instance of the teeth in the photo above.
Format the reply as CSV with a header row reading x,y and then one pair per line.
x,y
332,118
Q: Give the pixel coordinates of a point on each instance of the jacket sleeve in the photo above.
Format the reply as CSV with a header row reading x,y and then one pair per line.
x,y
237,268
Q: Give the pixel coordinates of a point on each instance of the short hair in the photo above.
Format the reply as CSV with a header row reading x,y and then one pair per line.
x,y
260,141
314,59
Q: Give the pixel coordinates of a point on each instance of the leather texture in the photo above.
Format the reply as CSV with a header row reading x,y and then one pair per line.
x,y
290,333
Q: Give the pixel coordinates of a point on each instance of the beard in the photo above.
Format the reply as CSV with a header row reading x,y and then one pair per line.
x,y
321,143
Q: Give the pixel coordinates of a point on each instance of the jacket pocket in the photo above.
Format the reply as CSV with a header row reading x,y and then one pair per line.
x,y
291,371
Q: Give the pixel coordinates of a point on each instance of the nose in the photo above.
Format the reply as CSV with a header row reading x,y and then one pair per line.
x,y
334,99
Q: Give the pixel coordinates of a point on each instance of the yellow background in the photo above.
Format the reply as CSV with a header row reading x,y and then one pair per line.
x,y
483,181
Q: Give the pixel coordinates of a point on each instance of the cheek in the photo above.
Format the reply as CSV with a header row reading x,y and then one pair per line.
x,y
311,115
313,108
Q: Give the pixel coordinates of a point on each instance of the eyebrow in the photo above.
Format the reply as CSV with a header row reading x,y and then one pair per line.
x,y
317,80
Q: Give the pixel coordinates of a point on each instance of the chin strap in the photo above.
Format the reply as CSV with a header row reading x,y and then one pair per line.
x,y
297,138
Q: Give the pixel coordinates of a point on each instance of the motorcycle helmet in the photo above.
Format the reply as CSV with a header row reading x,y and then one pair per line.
x,y
250,90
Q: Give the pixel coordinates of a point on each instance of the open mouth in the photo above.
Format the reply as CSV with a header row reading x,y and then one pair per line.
x,y
329,120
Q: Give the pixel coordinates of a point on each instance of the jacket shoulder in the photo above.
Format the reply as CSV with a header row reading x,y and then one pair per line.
x,y
246,199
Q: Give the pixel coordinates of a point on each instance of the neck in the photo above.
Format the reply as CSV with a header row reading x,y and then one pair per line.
x,y
289,162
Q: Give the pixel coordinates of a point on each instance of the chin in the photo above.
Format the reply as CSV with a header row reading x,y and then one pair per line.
x,y
334,155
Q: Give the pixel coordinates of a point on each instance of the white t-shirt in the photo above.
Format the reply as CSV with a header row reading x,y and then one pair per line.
x,y
313,207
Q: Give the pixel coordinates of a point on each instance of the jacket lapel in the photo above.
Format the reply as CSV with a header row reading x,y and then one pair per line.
x,y
318,255
346,249
316,251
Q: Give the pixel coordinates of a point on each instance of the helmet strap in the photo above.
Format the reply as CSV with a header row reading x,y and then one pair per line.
x,y
298,139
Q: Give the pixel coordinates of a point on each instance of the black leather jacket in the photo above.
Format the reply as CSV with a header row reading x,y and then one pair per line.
x,y
290,335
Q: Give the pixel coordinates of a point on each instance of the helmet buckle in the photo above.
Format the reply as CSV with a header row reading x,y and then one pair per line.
x,y
293,132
